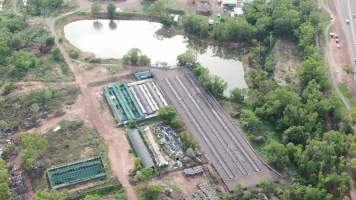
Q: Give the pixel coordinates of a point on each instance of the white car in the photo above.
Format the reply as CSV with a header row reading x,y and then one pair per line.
x,y
347,21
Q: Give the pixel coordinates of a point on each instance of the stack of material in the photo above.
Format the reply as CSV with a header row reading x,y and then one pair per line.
x,y
208,191
205,192
193,171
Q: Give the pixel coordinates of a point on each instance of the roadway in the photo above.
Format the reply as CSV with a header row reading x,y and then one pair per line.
x,y
346,10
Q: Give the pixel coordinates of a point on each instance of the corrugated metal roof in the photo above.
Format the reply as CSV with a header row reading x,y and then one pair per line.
x,y
140,147
229,2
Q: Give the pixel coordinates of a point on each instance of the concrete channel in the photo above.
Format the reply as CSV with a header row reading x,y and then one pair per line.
x,y
208,100
221,141
215,131
218,157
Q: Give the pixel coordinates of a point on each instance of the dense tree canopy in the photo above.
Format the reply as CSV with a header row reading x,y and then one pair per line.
x,y
32,144
43,7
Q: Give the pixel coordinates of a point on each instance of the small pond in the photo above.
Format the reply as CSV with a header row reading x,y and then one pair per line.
x,y
113,39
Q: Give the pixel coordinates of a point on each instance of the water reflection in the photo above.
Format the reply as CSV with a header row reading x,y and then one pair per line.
x,y
97,25
112,25
116,38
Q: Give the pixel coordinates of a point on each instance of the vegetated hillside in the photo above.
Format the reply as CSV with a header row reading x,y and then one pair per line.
x,y
26,111
72,142
303,129
28,52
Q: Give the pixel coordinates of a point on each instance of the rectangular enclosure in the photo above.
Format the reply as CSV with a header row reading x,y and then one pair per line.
x,y
134,101
76,172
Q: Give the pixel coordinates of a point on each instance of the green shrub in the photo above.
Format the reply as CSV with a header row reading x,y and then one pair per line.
x,y
74,54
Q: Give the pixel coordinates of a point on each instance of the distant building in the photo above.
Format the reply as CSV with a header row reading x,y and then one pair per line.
x,y
229,4
238,11
140,147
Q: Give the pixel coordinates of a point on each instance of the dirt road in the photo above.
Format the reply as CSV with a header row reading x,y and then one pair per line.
x,y
99,116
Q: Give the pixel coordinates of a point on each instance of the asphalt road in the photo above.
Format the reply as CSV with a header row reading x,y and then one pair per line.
x,y
347,8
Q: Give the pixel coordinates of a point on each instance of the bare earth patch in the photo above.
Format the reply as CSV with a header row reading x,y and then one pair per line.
x,y
286,62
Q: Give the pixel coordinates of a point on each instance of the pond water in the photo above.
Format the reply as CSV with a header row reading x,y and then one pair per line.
x,y
113,39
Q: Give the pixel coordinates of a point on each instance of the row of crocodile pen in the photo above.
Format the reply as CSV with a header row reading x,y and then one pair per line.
x,y
134,101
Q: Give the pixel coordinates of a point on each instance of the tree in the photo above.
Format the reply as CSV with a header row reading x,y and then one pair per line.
x,y
215,85
158,8
196,24
237,96
95,9
134,57
50,41
275,103
250,121
51,195
57,55
32,144
336,184
317,157
5,192
313,68
337,140
188,140
92,197
21,62
111,10
306,35
167,114
285,17
353,167
152,192
188,58
144,174
144,60
296,135
4,50
301,192
277,155
43,7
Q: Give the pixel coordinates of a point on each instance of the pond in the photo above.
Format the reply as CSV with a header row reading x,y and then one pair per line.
x,y
113,39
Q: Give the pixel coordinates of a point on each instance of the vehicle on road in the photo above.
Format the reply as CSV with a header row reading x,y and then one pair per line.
x,y
347,21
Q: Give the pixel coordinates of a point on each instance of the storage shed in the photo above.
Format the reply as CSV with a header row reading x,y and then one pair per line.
x,y
140,147
143,75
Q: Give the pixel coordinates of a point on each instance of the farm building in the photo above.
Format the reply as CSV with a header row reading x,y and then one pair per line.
x,y
140,147
134,101
143,75
76,172
229,4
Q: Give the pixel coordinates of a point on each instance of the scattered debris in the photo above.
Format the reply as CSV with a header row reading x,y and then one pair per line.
x,y
18,186
57,129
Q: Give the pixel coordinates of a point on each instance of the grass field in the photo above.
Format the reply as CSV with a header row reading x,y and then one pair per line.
x,y
74,141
